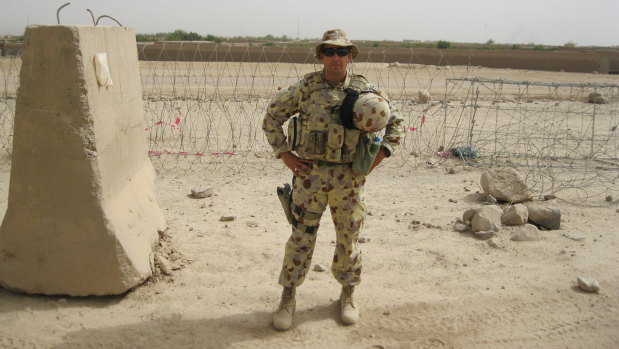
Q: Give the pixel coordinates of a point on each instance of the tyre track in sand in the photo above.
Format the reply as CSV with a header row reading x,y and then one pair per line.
x,y
505,322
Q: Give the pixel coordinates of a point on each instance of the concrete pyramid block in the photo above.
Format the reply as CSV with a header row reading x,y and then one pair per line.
x,y
82,217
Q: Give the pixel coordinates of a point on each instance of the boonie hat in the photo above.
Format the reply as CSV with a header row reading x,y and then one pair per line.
x,y
336,37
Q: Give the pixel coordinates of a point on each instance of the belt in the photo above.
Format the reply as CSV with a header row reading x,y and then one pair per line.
x,y
321,163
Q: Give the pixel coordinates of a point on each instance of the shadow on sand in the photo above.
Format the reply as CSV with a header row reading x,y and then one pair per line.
x,y
206,333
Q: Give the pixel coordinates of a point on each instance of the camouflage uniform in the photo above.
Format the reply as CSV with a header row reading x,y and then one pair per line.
x,y
331,181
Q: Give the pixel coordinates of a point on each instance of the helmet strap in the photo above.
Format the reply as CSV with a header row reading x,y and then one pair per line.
x,y
347,107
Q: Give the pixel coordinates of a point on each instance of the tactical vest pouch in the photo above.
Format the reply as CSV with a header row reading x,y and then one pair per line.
x,y
367,149
349,148
294,133
316,143
335,141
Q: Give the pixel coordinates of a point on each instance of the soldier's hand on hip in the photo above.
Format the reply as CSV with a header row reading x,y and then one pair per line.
x,y
297,165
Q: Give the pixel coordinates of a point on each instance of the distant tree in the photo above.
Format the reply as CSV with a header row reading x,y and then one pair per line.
x,y
181,35
210,37
443,44
176,35
570,44
490,42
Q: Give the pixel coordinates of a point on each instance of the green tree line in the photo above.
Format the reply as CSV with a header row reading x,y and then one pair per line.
x,y
177,35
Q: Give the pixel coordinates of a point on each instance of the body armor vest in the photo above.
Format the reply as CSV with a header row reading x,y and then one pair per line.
x,y
317,132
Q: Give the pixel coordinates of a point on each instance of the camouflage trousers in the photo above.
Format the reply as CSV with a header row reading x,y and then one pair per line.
x,y
340,189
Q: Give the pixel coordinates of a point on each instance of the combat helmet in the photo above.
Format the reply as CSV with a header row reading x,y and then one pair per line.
x,y
367,111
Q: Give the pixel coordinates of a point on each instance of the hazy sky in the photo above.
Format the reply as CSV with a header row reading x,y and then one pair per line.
x,y
550,22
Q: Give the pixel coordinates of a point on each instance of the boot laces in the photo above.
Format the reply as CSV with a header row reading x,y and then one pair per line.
x,y
288,301
347,297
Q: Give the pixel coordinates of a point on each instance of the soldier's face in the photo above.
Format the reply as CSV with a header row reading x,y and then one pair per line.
x,y
334,64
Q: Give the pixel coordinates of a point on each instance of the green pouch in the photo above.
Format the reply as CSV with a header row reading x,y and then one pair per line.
x,y
367,149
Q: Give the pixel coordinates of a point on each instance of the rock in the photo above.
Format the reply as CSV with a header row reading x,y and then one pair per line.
x,y
363,239
319,267
609,198
517,214
482,198
573,237
226,218
487,218
494,243
252,224
461,228
469,214
505,184
597,98
549,197
451,170
424,96
528,232
545,216
489,199
484,235
163,264
201,193
588,284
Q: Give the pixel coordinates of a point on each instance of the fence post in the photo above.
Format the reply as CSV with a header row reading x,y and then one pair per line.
x,y
470,143
593,125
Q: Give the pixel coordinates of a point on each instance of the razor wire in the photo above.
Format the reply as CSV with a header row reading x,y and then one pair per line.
x,y
203,110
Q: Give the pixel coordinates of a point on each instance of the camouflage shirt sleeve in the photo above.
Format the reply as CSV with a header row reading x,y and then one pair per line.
x,y
281,107
394,130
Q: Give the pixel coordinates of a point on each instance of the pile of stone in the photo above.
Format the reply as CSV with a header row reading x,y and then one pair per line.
x,y
513,208
597,98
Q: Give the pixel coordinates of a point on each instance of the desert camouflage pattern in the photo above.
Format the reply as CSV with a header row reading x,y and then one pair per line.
x,y
335,185
371,112
342,190
314,101
336,37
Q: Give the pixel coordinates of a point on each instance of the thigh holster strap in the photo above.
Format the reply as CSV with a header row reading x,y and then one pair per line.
x,y
306,215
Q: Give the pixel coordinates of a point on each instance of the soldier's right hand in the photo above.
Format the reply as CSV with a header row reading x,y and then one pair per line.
x,y
297,165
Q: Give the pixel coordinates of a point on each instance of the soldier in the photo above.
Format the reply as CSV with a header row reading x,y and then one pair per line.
x,y
319,150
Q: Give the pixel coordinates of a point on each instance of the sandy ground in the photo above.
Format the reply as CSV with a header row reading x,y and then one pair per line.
x,y
423,286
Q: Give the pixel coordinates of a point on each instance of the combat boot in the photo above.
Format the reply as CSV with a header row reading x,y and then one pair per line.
x,y
349,312
282,318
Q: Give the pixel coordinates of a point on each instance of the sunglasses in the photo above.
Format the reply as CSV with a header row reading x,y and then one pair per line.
x,y
340,51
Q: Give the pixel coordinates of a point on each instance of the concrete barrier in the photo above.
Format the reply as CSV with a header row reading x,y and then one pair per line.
x,y
82,217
